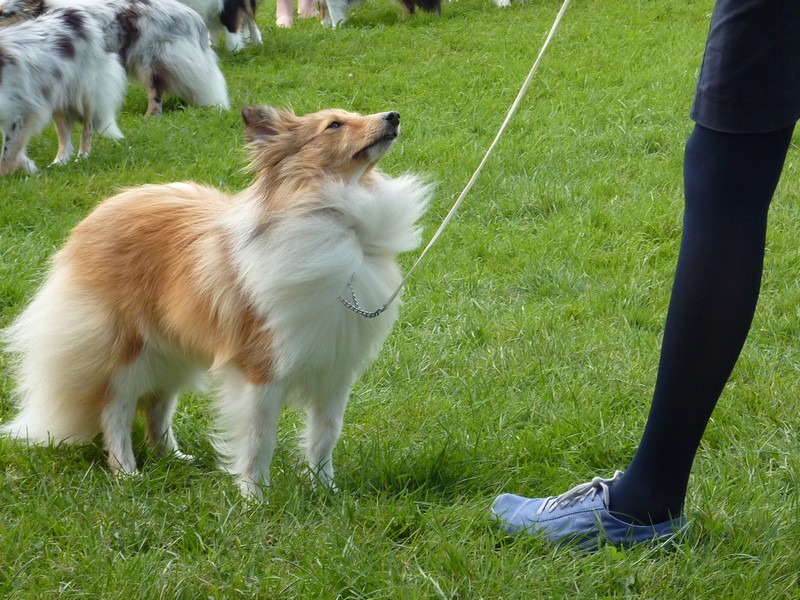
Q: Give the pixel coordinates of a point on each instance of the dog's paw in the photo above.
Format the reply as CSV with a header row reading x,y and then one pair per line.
x,y
251,491
329,487
125,474
181,456
28,166
322,481
173,454
233,42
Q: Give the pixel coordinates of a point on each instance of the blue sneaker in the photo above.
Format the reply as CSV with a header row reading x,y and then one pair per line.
x,y
580,516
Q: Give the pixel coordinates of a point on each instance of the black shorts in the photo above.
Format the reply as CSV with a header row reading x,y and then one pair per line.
x,y
750,78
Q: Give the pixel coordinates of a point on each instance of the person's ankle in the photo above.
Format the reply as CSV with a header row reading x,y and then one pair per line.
x,y
637,511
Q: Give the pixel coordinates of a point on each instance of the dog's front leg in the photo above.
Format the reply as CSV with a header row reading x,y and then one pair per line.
x,y
63,131
255,32
249,421
233,41
325,416
15,146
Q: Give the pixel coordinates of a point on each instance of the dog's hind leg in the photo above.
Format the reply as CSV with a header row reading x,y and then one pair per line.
x,y
159,410
86,132
154,102
156,86
63,131
116,422
131,382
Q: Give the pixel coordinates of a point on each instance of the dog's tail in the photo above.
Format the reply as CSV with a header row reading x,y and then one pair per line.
x,y
196,76
106,89
61,345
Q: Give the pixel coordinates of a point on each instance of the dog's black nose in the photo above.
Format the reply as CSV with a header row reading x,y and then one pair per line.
x,y
393,118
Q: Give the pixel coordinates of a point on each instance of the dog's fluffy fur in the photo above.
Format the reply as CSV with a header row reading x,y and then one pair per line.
x,y
162,282
334,12
56,67
163,43
235,18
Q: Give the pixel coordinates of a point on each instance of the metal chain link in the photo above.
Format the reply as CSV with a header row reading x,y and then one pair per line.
x,y
355,307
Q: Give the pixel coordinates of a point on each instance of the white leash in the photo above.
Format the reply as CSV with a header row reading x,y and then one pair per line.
x,y
352,304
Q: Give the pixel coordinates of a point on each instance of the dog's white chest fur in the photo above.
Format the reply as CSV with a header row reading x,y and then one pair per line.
x,y
296,269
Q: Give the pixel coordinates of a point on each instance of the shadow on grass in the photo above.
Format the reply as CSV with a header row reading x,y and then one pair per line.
x,y
446,471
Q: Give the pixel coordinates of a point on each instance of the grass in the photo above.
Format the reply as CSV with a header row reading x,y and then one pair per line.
x,y
523,360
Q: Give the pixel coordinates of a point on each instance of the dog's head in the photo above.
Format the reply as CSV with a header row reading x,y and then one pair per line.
x,y
341,144
13,11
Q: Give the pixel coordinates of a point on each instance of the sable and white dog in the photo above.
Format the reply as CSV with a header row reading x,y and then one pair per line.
x,y
163,282
334,12
56,67
235,18
163,43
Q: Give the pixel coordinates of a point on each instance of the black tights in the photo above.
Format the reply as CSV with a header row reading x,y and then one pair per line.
x,y
729,181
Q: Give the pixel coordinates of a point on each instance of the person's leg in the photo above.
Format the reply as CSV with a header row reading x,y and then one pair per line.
x,y
284,13
307,8
729,180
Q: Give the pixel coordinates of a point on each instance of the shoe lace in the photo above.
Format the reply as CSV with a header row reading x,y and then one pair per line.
x,y
580,493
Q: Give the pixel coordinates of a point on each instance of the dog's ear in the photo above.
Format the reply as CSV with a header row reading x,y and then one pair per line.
x,y
262,123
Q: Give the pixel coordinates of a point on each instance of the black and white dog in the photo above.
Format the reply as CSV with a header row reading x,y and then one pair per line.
x,y
163,43
56,66
235,18
334,12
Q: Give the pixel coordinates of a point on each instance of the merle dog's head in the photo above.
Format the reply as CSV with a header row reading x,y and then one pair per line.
x,y
13,11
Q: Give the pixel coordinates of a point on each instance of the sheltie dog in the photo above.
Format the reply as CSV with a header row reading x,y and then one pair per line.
x,y
163,43
235,18
56,67
163,282
334,12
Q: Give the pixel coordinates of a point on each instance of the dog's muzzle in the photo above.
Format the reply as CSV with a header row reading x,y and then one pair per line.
x,y
379,147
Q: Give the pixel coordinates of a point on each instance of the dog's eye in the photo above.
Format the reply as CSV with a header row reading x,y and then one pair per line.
x,y
334,124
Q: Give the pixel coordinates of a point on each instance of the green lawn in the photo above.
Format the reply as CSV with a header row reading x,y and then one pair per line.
x,y
525,353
